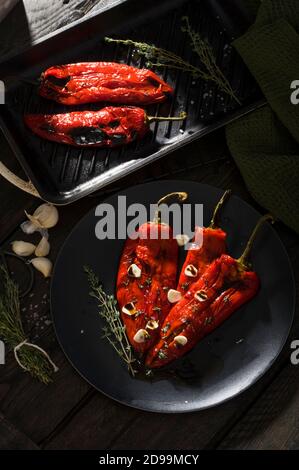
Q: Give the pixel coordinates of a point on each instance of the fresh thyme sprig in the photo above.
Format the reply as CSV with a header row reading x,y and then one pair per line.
x,y
114,331
159,57
12,333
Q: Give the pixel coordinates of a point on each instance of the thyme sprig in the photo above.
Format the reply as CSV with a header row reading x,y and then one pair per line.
x,y
12,333
114,331
159,57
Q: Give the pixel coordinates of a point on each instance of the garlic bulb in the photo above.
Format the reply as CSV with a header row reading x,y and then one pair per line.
x,y
29,227
45,216
182,239
43,248
134,271
173,296
21,248
191,271
141,336
44,265
181,340
129,309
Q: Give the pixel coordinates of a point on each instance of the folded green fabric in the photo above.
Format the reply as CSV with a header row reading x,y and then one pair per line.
x,y
264,143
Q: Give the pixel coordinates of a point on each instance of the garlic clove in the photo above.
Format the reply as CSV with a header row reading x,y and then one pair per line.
x,y
45,216
43,248
141,336
21,248
173,296
152,325
191,271
181,340
44,265
129,309
182,239
201,295
28,227
134,271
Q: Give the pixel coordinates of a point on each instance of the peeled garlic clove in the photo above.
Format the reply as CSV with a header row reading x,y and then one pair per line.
x,y
129,309
201,295
21,248
45,216
173,296
28,227
181,340
134,271
44,265
182,239
43,248
191,270
141,336
152,325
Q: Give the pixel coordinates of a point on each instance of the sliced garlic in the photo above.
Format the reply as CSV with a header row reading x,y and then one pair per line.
x,y
21,248
173,296
182,239
134,270
201,295
141,336
44,265
181,340
43,248
45,216
152,325
129,309
191,270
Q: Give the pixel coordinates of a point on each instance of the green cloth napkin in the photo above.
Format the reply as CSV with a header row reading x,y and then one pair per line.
x,y
264,143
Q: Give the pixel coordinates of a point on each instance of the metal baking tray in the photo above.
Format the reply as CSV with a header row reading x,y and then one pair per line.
x,y
62,174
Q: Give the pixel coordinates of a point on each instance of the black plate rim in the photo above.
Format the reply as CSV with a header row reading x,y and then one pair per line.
x,y
200,408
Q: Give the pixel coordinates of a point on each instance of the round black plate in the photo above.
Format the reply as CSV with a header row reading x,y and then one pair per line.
x,y
225,363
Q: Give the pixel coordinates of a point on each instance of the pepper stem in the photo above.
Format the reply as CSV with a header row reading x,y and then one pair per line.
x,y
181,117
179,196
244,258
218,208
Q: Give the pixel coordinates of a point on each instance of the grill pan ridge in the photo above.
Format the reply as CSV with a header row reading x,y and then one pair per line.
x,y
63,174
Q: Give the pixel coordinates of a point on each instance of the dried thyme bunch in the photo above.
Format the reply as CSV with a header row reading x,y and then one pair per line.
x,y
159,57
29,356
114,331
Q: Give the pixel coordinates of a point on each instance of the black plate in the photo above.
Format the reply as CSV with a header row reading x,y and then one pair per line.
x,y
225,363
62,173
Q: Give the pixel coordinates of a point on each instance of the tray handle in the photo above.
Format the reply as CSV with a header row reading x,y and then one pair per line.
x,y
25,186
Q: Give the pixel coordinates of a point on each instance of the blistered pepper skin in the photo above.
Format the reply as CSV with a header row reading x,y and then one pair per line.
x,y
224,287
109,127
209,244
93,82
157,260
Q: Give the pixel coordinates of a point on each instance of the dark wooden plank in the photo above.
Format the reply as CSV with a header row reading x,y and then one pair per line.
x,y
12,439
272,423
31,20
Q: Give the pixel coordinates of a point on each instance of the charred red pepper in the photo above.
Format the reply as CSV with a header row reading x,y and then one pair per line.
x,y
109,127
225,286
209,244
147,271
93,82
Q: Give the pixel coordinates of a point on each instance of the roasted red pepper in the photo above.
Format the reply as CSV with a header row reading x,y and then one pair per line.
x,y
209,244
109,127
92,82
227,284
147,271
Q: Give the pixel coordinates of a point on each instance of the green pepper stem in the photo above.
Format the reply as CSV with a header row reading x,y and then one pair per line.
x,y
181,117
244,258
179,196
218,208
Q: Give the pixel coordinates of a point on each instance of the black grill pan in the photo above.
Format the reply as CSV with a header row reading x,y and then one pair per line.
x,y
63,174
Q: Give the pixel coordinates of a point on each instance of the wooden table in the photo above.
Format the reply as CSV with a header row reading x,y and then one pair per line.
x,y
69,414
